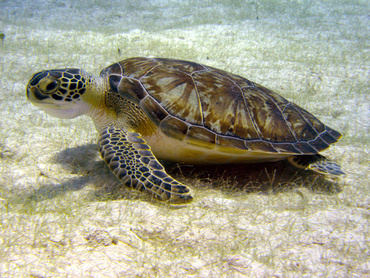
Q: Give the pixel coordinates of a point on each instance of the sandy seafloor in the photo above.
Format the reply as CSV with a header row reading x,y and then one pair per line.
x,y
60,217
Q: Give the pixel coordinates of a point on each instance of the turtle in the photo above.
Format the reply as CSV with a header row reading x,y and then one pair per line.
x,y
151,109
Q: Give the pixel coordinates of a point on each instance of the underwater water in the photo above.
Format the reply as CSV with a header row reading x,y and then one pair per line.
x,y
58,212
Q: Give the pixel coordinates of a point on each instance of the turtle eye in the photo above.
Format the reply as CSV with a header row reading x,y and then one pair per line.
x,y
48,85
52,86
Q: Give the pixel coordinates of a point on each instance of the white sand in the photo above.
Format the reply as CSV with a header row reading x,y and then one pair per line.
x,y
57,221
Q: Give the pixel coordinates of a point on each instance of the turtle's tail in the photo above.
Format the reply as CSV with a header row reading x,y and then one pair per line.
x,y
317,163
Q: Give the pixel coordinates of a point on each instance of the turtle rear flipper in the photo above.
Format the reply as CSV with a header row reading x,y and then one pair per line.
x,y
317,163
132,161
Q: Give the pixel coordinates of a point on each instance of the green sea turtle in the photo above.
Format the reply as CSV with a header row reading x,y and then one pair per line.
x,y
185,112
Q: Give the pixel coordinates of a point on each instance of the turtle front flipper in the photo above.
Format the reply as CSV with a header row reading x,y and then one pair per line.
x,y
317,163
132,161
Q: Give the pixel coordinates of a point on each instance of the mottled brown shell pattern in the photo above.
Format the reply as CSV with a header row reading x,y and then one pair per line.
x,y
209,106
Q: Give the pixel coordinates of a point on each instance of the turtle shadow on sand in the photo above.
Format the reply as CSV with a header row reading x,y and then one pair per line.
x,y
87,167
78,161
270,177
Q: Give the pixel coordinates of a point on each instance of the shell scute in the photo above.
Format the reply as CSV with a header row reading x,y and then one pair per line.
x,y
223,105
268,118
262,146
318,144
304,147
298,124
201,136
311,120
335,134
328,138
238,80
174,127
232,142
174,90
132,68
154,110
115,69
183,66
114,81
132,88
286,147
280,101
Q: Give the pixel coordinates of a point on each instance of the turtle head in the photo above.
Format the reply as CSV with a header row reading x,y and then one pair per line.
x,y
60,93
